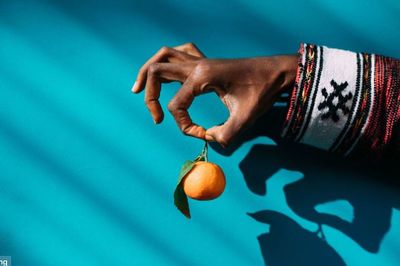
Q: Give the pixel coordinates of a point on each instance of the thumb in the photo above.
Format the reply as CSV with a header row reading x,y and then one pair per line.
x,y
223,134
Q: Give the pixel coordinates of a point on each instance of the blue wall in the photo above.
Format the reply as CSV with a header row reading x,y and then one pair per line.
x,y
86,178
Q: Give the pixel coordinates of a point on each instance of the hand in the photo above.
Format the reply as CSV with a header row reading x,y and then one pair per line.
x,y
248,87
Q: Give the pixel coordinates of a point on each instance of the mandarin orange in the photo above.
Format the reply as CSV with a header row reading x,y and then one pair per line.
x,y
205,181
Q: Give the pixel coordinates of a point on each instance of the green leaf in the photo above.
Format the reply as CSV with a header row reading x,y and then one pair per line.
x,y
180,198
181,201
186,167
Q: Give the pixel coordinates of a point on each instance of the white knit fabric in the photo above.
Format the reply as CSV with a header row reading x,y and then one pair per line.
x,y
340,66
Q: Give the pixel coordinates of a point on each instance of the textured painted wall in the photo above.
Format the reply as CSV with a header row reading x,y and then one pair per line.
x,y
86,178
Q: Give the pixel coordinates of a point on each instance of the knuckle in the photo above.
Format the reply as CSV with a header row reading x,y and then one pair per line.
x,y
147,101
203,67
185,130
153,68
164,50
190,45
171,106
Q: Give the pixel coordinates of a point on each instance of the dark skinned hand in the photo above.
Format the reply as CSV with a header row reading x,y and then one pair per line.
x,y
248,87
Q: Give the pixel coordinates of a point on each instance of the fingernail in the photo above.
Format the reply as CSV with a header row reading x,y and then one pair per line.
x,y
134,87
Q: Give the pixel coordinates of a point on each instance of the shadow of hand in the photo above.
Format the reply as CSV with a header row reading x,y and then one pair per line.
x,y
327,178
287,243
371,188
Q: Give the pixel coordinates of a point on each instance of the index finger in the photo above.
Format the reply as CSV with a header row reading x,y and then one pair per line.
x,y
178,107
158,73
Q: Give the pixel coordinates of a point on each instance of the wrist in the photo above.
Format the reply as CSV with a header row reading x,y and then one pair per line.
x,y
289,70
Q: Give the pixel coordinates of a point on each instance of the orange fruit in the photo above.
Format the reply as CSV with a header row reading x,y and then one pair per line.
x,y
205,181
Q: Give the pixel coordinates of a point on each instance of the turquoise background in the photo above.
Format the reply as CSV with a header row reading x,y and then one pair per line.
x,y
86,178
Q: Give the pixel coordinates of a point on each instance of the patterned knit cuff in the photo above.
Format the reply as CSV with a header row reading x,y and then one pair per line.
x,y
331,103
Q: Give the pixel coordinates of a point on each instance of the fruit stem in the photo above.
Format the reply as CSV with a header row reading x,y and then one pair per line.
x,y
203,156
205,151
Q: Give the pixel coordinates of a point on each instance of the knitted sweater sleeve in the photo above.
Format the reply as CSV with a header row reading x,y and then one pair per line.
x,y
344,101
